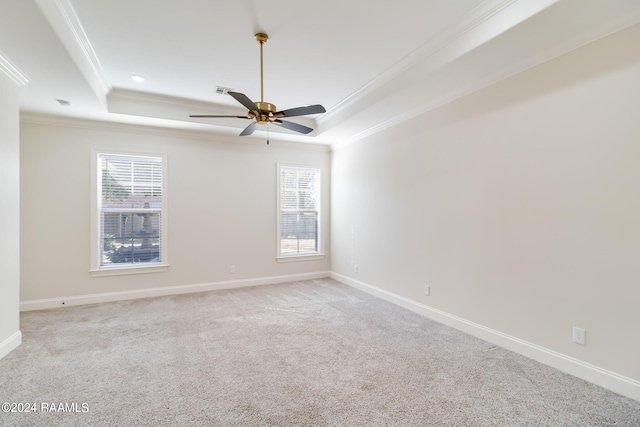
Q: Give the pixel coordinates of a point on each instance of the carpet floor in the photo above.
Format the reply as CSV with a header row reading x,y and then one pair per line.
x,y
309,353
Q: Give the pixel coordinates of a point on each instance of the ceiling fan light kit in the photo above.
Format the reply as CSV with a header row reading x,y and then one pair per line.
x,y
264,112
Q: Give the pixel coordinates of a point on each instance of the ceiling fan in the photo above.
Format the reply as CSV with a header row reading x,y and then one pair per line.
x,y
265,112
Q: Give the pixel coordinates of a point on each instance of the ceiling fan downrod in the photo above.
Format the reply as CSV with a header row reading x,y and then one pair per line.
x,y
266,109
262,38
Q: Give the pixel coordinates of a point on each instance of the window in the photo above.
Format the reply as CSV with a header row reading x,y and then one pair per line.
x,y
298,211
131,225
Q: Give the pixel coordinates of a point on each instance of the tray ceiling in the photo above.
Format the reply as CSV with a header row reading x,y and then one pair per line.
x,y
372,64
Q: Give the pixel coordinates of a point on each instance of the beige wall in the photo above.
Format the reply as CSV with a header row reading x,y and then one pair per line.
x,y
221,207
519,205
9,215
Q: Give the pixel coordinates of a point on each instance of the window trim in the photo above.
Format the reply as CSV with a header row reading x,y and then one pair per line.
x,y
95,270
319,254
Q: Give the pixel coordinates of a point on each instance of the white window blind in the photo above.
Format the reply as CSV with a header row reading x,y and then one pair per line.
x,y
130,209
299,226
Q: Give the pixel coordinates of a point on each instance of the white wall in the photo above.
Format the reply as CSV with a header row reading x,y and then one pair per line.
x,y
9,215
519,205
221,207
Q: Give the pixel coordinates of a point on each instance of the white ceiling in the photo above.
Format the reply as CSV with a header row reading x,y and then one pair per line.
x,y
371,63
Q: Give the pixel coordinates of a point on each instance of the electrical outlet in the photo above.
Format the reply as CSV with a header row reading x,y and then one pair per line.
x,y
427,290
355,268
232,269
579,336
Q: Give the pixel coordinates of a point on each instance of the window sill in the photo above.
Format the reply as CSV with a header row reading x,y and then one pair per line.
x,y
294,258
121,271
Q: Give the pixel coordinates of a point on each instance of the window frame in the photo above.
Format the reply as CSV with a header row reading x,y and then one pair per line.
x,y
292,257
96,270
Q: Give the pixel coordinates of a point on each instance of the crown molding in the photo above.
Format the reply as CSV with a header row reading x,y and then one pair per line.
x,y
12,71
593,35
212,136
146,104
479,27
65,22
474,19
167,100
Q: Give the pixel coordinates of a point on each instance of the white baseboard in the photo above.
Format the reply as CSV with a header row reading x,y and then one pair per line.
x,y
602,377
42,304
8,345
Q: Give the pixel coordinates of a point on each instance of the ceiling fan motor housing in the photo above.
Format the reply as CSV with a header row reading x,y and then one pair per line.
x,y
266,107
266,112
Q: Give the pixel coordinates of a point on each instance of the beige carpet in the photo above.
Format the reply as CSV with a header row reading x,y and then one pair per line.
x,y
300,354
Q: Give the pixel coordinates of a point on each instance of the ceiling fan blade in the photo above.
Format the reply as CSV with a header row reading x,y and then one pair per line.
x,y
216,117
293,126
301,111
249,129
244,100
